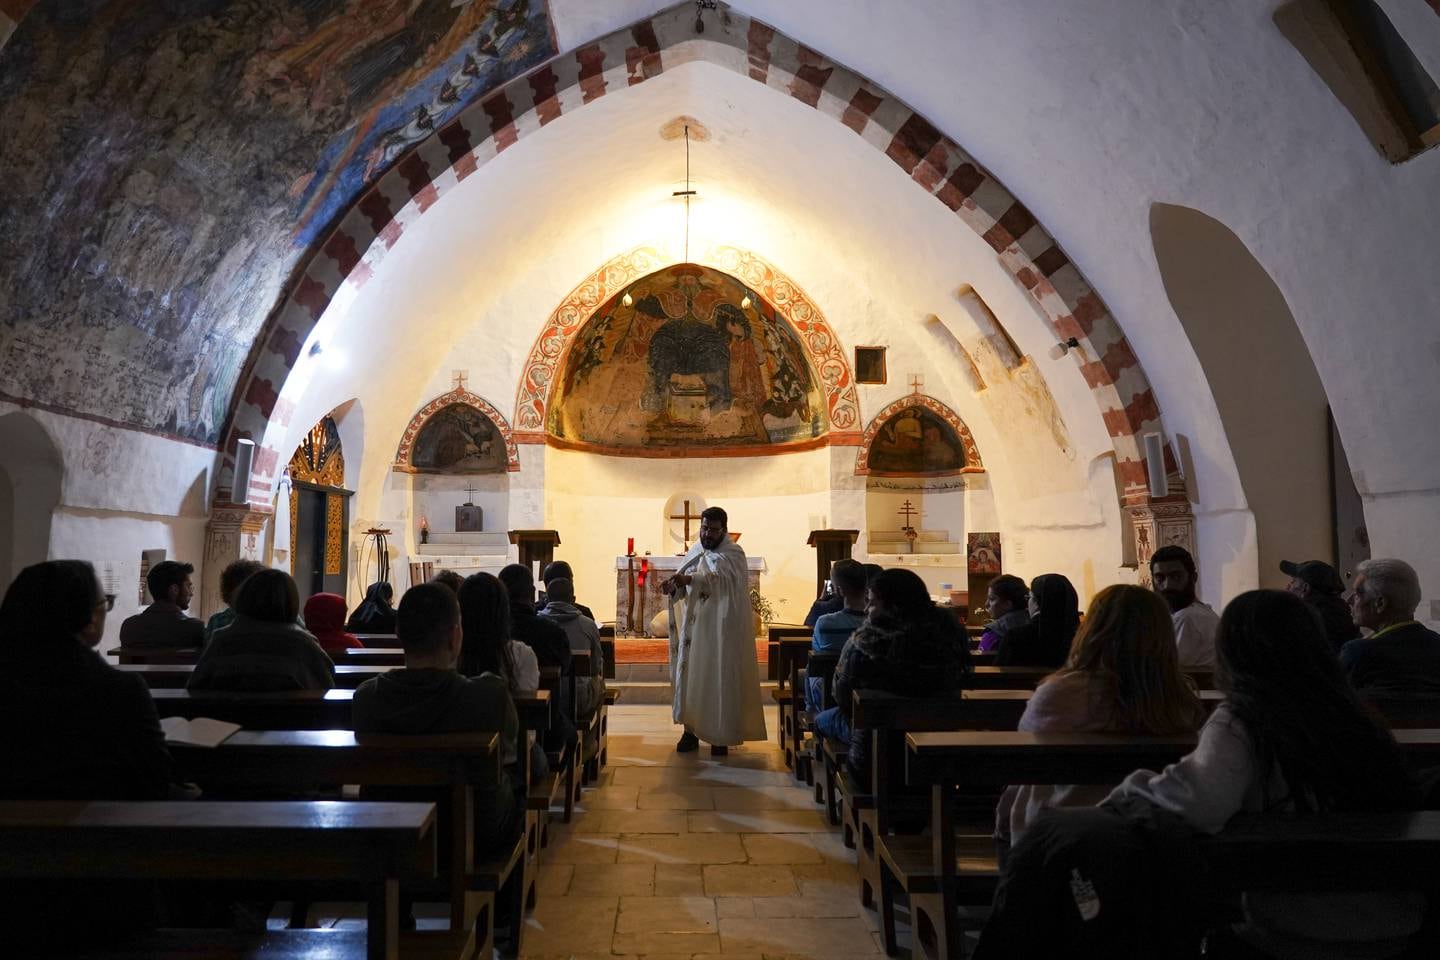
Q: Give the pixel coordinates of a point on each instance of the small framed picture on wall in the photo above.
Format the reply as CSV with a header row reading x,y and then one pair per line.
x,y
869,364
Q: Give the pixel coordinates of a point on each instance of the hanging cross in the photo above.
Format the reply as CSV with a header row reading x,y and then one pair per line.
x,y
458,377
916,382
469,494
687,516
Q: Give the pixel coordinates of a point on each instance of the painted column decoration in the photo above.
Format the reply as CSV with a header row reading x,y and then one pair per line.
x,y
233,533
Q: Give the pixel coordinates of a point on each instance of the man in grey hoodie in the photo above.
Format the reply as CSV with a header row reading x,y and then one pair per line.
x,y
584,636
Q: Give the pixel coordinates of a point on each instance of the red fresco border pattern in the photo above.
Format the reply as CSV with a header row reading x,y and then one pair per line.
x,y
461,396
973,463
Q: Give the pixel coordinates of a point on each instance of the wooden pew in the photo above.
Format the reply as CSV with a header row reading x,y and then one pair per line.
x,y
378,639
370,845
946,760
370,656
564,763
449,764
1015,678
177,675
283,710
160,655
789,650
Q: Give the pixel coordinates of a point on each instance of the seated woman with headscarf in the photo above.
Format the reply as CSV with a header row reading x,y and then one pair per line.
x,y
375,614
325,618
1045,640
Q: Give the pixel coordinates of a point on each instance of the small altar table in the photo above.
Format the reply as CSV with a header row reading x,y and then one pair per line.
x,y
648,599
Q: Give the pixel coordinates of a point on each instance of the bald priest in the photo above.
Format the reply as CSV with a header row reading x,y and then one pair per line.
x,y
712,642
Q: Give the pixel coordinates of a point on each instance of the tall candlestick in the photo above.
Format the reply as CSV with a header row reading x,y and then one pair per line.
x,y
629,546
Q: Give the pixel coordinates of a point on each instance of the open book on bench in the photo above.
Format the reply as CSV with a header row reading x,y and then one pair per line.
x,y
199,731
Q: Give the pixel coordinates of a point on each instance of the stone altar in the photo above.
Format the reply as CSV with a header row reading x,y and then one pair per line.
x,y
648,599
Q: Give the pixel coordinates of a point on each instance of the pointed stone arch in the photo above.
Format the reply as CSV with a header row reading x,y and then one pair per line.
x,y
972,462
938,165
462,397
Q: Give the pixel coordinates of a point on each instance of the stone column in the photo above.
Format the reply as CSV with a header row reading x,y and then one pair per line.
x,y
232,533
1158,523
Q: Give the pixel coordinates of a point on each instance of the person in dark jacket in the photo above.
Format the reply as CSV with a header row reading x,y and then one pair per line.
x,y
550,644
165,623
584,637
1007,601
430,696
1401,657
75,729
374,615
555,570
907,646
1044,641
1320,586
265,648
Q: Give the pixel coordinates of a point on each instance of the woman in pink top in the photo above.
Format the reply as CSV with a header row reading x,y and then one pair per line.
x,y
1122,676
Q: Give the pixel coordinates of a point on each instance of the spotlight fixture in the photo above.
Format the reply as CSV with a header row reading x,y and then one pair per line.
x,y
700,7
315,349
627,300
745,302
1064,347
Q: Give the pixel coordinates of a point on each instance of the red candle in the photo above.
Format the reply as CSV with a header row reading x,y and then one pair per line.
x,y
630,547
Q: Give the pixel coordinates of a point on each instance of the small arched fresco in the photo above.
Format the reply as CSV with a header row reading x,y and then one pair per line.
x,y
917,436
687,358
459,433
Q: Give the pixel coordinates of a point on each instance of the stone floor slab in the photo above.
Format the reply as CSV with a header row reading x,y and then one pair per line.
x,y
666,915
623,879
779,848
685,848
749,880
808,937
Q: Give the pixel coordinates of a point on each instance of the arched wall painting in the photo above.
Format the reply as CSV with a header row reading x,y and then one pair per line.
x,y
459,438
686,359
918,436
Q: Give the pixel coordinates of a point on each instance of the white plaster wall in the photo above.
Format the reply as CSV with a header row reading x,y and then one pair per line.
x,y
596,502
122,492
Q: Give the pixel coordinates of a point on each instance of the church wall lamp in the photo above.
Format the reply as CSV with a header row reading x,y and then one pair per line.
x,y
700,7
244,460
1064,347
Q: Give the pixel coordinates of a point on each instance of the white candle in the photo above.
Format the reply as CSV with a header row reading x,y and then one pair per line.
x,y
535,570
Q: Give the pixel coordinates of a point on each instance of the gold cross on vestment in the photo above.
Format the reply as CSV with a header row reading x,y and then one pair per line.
x,y
687,516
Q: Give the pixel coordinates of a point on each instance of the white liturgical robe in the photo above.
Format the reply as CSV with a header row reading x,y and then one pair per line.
x,y
712,648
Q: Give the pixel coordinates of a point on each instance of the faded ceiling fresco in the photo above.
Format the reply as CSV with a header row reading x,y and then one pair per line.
x,y
187,155
687,358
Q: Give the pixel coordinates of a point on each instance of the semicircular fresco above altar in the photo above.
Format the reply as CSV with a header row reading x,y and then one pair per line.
x,y
686,359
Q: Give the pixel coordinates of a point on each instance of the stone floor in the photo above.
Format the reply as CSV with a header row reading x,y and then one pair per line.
x,y
682,855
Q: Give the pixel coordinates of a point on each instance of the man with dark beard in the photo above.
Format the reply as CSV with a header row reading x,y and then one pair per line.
x,y
1172,572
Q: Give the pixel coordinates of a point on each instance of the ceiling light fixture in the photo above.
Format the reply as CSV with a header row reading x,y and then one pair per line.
x,y
1064,347
628,300
687,193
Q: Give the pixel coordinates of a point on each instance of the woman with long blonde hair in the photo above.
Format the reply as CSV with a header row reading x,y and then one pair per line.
x,y
1122,676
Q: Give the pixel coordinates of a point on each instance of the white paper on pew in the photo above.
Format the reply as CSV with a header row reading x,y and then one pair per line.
x,y
199,732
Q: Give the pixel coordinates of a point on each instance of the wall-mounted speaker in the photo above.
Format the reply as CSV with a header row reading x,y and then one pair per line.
x,y
1155,464
244,460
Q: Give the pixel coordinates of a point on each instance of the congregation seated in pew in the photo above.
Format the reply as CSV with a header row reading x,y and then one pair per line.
x,y
374,614
1044,639
234,574
487,648
165,623
265,648
906,646
834,629
429,696
1172,571
1006,598
325,619
554,570
1401,657
75,729
584,636
1291,736
1122,676
550,644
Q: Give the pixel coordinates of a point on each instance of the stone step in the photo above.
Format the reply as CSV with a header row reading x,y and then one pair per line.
x,y
921,546
898,536
473,537
653,691
461,550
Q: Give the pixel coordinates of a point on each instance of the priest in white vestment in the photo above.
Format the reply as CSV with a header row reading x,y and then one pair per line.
x,y
712,642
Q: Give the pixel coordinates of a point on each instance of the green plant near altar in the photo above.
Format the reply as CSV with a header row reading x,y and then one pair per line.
x,y
762,606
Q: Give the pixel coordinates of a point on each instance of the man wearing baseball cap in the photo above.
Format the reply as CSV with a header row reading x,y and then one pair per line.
x,y
1317,583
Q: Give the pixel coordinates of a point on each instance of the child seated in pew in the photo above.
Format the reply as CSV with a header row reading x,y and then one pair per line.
x,y
906,646
325,618
486,647
1291,737
265,648
1122,676
429,696
75,728
832,630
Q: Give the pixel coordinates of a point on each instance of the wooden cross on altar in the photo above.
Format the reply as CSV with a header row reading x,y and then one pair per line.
x,y
469,494
907,511
916,382
687,516
458,378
